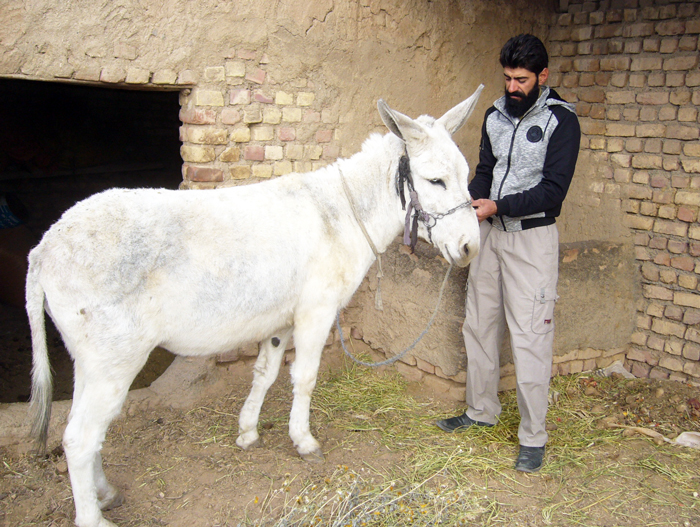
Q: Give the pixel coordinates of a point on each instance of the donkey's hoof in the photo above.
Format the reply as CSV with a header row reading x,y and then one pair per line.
x,y
117,500
315,456
243,445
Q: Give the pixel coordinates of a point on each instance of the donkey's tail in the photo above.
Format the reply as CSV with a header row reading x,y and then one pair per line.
x,y
42,384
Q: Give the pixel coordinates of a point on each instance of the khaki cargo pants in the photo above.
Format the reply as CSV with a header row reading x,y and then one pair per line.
x,y
512,281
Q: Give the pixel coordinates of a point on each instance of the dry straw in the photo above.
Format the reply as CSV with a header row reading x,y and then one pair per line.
x,y
468,478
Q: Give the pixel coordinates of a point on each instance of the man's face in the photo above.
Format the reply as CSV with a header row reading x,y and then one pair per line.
x,y
522,89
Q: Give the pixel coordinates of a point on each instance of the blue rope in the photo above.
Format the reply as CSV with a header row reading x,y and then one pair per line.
x,y
409,348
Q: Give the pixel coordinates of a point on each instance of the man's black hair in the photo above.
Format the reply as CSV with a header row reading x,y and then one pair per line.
x,y
525,51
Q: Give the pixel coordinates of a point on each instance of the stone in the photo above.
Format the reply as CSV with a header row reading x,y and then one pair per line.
x,y
197,154
686,133
252,115
262,171
257,76
272,115
305,98
688,197
137,76
281,168
671,227
671,363
284,98
664,327
235,68
259,96
239,96
291,115
203,174
294,152
274,153
240,172
230,116
113,75
670,27
653,98
206,97
197,116
286,133
409,373
214,74
230,155
240,134
658,373
254,153
167,76
263,133
691,351
692,166
206,135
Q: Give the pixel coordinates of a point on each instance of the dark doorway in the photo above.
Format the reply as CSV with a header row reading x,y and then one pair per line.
x,y
60,143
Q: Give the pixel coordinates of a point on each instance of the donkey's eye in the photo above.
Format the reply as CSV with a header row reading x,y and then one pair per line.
x,y
439,182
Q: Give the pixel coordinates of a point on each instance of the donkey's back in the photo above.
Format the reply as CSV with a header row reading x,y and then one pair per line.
x,y
196,272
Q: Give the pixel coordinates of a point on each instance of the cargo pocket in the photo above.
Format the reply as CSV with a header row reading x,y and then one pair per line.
x,y
543,311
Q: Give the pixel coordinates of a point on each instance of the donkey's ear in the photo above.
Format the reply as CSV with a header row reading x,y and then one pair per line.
x,y
457,116
401,125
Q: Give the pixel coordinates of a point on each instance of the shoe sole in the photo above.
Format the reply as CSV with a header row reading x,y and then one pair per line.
x,y
528,470
449,429
442,426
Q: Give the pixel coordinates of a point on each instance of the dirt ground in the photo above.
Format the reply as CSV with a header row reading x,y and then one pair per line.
x,y
182,468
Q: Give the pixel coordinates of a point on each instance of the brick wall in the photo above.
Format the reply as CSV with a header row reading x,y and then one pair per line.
x,y
631,67
239,124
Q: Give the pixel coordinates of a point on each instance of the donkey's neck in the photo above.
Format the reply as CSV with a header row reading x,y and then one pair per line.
x,y
370,176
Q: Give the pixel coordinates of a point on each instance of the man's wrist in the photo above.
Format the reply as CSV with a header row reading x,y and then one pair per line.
x,y
501,207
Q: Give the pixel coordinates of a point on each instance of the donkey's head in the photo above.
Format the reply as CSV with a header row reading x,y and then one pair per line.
x,y
435,186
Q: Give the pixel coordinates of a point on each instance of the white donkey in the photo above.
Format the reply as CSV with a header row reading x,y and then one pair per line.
x,y
201,272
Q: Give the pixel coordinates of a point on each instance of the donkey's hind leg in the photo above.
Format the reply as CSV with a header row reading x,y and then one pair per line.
x,y
99,395
265,372
109,496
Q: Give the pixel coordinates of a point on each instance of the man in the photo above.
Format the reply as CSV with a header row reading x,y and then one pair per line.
x,y
529,146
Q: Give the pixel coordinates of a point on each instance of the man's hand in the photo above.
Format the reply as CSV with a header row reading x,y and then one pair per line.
x,y
485,208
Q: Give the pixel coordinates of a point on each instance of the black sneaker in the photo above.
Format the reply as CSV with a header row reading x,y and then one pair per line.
x,y
459,423
530,458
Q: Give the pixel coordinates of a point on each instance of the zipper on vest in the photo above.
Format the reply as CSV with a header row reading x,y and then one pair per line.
x,y
510,155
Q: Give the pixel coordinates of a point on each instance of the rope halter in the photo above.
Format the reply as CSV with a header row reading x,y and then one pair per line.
x,y
429,220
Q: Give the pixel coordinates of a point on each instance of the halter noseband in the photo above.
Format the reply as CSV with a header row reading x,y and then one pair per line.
x,y
410,233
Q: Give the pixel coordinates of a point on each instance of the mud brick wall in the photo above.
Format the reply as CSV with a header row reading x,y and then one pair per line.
x,y
240,124
631,67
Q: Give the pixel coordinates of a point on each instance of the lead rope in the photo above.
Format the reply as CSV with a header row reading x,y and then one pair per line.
x,y
415,342
380,274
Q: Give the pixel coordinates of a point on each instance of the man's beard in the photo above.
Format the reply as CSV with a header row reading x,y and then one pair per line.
x,y
517,108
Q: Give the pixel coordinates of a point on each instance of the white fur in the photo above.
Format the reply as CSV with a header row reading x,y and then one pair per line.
x,y
201,272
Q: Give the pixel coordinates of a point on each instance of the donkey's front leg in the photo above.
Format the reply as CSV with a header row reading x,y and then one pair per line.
x,y
265,372
310,334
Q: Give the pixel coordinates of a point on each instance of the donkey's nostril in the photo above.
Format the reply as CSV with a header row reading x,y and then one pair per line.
x,y
466,249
